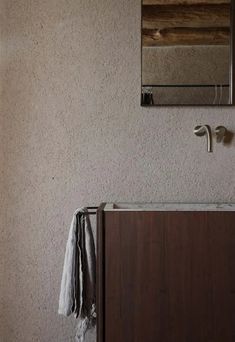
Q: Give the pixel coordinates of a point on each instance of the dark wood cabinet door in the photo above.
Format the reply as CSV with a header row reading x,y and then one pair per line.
x,y
168,277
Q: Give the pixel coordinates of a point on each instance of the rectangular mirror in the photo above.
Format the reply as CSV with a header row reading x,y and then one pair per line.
x,y
187,52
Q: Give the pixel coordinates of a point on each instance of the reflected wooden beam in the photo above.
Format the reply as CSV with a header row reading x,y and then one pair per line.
x,y
186,36
185,2
155,17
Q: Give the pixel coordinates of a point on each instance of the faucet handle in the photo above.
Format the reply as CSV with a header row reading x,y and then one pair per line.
x,y
220,132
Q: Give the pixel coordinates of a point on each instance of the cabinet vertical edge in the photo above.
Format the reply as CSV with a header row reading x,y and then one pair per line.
x,y
100,274
232,53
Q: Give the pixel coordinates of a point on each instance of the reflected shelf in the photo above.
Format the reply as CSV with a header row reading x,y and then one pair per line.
x,y
186,94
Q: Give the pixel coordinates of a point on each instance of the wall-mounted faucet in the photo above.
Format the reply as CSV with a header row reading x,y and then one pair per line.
x,y
205,130
221,133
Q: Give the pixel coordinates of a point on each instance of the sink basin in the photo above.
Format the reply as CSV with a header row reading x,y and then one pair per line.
x,y
169,207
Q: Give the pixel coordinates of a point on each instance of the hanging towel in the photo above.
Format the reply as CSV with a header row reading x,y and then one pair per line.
x,y
77,294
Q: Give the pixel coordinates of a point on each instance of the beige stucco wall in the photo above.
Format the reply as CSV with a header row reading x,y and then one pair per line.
x,y
73,133
187,65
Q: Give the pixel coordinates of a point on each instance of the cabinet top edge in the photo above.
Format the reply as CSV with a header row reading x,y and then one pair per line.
x,y
121,206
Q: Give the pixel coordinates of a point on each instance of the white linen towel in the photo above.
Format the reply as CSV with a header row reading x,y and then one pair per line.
x,y
77,294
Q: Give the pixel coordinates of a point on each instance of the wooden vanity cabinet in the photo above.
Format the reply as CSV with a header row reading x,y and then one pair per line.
x,y
166,276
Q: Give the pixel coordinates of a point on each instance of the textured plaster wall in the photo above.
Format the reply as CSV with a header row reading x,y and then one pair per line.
x,y
186,64
73,133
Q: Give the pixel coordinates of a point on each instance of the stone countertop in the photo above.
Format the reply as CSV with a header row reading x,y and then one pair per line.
x,y
170,207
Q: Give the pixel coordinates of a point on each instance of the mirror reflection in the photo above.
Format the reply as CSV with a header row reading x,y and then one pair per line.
x,y
186,52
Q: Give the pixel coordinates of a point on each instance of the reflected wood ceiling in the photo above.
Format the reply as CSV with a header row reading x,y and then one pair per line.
x,y
185,22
